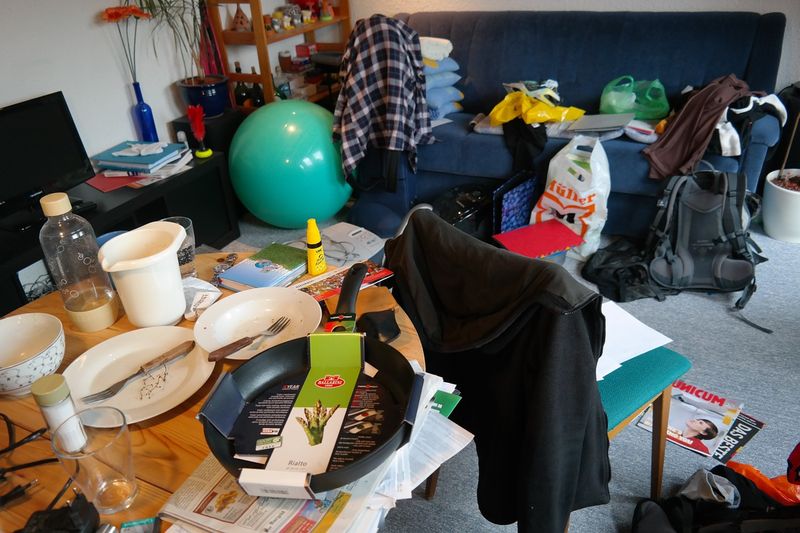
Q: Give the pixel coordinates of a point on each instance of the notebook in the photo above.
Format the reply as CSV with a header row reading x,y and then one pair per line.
x,y
146,163
599,123
539,240
277,265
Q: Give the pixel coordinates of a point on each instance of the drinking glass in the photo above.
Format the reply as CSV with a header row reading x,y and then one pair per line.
x,y
186,250
94,447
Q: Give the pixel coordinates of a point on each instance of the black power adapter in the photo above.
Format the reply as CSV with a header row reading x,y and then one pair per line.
x,y
78,516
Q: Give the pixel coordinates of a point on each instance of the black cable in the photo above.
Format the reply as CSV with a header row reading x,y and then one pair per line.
x,y
54,501
16,492
10,429
14,468
13,445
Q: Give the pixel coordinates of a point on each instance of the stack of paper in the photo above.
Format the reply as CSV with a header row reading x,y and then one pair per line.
x,y
626,337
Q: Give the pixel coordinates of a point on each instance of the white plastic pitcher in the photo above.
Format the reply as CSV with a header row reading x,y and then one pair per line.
x,y
144,266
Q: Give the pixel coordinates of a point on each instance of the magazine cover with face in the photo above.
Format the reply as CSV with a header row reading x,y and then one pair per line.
x,y
698,419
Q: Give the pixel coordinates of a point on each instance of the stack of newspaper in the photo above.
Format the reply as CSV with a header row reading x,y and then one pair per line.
x,y
212,500
705,422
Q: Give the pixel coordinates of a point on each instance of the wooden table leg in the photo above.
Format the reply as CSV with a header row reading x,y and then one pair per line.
x,y
430,485
660,419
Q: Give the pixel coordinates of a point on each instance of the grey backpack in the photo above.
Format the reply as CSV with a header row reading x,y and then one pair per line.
x,y
699,238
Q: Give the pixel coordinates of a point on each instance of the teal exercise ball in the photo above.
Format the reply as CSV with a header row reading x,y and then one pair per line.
x,y
284,165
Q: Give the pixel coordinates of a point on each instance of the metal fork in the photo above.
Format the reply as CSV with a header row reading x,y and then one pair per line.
x,y
167,357
223,352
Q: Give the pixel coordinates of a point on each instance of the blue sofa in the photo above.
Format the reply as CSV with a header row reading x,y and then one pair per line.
x,y
583,51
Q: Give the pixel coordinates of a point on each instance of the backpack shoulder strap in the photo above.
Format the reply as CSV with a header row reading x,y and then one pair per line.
x,y
665,204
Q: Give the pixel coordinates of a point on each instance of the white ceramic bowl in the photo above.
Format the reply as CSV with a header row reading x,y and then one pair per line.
x,y
32,346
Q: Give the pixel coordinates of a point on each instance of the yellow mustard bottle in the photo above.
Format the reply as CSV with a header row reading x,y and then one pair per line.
x,y
315,253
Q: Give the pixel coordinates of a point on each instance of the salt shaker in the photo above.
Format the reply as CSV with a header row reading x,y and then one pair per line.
x,y
53,397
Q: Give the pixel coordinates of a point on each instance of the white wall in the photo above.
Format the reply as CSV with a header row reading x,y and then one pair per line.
x,y
51,45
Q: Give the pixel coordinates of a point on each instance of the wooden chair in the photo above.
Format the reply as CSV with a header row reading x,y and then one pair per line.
x,y
626,392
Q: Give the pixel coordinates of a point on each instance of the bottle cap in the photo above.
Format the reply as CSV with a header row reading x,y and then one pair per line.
x,y
50,390
55,204
312,233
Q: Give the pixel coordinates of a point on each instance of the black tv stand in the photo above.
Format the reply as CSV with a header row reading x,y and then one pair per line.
x,y
22,221
81,206
202,193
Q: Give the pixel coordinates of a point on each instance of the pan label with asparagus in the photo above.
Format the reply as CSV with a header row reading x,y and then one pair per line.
x,y
321,421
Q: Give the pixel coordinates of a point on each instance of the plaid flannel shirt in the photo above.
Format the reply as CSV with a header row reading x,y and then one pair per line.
x,y
382,99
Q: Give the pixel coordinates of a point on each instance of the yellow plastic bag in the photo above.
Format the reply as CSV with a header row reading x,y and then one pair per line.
x,y
518,104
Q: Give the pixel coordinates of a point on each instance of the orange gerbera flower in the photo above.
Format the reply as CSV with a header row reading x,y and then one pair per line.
x,y
121,16
114,14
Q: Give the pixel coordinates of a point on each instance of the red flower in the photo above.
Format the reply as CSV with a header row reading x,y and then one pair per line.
x,y
121,15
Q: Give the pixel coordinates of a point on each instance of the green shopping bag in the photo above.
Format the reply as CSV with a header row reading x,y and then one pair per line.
x,y
646,99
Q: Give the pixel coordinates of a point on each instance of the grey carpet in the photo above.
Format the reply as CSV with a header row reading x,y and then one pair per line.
x,y
728,357
256,234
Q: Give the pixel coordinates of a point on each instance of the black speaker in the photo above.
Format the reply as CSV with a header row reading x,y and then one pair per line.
x,y
219,130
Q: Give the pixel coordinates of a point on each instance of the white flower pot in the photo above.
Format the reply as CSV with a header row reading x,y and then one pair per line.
x,y
781,209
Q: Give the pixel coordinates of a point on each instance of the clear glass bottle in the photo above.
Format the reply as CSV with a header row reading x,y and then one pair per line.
x,y
281,84
70,252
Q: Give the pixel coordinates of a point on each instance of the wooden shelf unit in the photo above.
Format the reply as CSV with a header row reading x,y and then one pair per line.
x,y
261,39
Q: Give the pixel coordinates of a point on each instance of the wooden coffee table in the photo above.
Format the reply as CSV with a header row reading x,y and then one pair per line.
x,y
166,448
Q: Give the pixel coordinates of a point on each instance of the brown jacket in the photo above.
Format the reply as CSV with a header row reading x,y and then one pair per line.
x,y
687,137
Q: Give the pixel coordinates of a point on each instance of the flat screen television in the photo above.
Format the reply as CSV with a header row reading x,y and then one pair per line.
x,y
41,152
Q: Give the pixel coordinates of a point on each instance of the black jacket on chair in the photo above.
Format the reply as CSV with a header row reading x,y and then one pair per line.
x,y
520,338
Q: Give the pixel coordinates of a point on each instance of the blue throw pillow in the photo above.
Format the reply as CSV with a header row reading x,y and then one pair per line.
x,y
446,109
442,79
448,64
442,95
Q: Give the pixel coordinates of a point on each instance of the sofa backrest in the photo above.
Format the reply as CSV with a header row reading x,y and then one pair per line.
x,y
585,50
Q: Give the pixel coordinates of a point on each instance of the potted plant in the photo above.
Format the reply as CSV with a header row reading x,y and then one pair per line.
x,y
781,207
184,19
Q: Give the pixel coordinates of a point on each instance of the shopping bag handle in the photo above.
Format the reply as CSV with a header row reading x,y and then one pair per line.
x,y
628,81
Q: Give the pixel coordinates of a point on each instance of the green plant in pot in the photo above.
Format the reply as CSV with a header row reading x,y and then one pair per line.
x,y
184,19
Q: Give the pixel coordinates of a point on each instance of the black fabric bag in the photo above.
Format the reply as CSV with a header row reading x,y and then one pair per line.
x,y
621,272
757,512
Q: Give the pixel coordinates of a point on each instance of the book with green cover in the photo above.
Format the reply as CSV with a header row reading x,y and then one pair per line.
x,y
277,265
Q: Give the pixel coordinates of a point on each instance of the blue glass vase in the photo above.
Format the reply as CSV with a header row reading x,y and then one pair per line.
x,y
143,116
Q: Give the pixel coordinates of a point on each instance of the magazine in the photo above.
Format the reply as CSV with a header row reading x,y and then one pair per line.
x,y
329,284
742,431
212,500
699,420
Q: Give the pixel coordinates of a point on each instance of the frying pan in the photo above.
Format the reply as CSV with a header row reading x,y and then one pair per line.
x,y
290,359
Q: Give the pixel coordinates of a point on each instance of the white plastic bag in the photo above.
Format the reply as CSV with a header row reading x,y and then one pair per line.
x,y
578,184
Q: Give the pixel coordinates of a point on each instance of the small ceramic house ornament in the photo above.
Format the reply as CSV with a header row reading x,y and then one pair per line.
x,y
240,20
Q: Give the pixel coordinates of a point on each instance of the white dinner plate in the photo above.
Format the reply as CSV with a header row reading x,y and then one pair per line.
x,y
252,311
120,356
